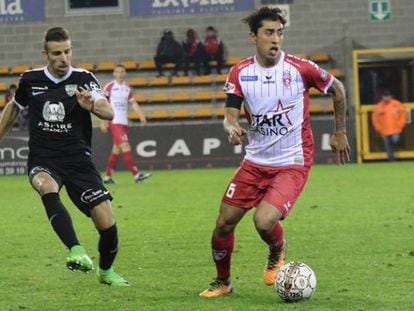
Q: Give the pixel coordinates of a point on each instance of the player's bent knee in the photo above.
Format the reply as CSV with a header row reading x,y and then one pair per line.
x,y
102,215
263,225
125,147
224,226
44,183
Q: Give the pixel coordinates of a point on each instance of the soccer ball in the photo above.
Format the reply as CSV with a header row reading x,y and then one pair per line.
x,y
295,281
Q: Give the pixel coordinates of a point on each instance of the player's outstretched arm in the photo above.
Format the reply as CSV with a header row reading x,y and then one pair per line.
x,y
232,126
339,141
8,117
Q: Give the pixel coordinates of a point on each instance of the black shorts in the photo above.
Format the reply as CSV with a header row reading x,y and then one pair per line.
x,y
81,179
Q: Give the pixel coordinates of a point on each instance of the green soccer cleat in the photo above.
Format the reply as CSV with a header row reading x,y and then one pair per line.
x,y
110,277
79,260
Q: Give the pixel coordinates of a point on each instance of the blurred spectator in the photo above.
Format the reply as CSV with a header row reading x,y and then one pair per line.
x,y
22,118
214,50
194,52
389,118
169,51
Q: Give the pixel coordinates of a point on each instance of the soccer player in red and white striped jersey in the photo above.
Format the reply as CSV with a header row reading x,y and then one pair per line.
x,y
273,87
120,95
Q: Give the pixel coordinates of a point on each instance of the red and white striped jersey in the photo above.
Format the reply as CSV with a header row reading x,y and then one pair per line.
x,y
276,101
119,96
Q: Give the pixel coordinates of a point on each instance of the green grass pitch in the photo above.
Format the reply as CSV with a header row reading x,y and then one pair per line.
x,y
354,225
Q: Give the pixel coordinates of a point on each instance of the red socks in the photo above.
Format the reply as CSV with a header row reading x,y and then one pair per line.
x,y
129,162
112,160
222,249
275,238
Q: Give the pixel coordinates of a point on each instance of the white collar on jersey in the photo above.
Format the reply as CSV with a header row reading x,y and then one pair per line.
x,y
58,80
282,57
120,84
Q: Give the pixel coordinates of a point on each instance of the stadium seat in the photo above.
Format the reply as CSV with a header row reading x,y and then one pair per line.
x,y
219,112
233,60
3,86
138,82
329,107
336,72
140,98
159,98
168,65
158,81
203,79
221,78
313,108
105,66
4,70
87,66
180,97
180,80
202,96
321,57
129,64
158,114
146,64
2,102
132,115
19,69
314,92
220,95
181,114
301,55
203,113
37,66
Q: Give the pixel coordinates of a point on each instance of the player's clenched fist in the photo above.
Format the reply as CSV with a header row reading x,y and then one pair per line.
x,y
236,135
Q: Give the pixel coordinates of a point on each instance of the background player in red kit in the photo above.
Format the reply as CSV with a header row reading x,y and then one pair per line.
x,y
273,86
120,96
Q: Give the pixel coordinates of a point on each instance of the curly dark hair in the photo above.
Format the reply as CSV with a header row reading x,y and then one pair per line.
x,y
255,19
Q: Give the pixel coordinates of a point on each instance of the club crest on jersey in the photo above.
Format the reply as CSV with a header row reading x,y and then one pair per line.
x,y
286,78
71,89
53,112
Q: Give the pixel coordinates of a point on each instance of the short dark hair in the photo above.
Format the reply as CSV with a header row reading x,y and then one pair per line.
x,y
255,19
57,34
12,86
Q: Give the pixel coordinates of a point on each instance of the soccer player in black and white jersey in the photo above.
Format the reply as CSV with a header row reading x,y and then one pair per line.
x,y
60,101
273,86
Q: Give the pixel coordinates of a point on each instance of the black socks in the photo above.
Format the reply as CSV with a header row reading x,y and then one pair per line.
x,y
108,247
60,219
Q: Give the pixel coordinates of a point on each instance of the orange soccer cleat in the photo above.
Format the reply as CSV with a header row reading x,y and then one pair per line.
x,y
275,260
217,288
